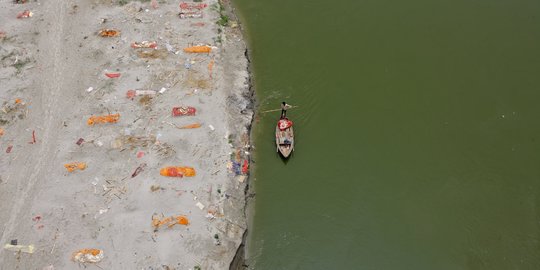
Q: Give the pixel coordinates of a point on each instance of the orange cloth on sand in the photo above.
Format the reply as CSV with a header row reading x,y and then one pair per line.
x,y
75,166
198,49
111,118
177,171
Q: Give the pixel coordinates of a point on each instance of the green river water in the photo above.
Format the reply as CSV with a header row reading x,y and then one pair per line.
x,y
418,134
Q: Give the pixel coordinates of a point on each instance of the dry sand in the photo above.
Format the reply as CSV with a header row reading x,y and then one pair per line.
x,y
49,61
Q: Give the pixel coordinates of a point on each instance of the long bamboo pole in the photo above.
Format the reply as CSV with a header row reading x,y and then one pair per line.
x,y
275,110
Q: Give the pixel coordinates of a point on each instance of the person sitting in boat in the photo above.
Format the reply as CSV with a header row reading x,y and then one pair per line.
x,y
284,107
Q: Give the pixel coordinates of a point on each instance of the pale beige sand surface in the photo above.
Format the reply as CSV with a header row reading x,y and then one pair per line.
x,y
49,61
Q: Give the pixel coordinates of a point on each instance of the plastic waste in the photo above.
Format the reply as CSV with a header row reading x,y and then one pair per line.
x,y
88,255
183,111
172,171
198,49
111,118
70,167
103,211
21,248
236,168
200,205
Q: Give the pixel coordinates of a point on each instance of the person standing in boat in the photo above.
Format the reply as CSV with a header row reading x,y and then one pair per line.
x,y
284,107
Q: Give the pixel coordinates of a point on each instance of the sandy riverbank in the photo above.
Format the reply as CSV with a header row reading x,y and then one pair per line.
x,y
48,63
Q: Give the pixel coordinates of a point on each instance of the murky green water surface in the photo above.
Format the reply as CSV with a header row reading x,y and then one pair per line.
x,y
418,134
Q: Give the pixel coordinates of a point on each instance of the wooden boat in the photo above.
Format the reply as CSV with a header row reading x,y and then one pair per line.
x,y
284,137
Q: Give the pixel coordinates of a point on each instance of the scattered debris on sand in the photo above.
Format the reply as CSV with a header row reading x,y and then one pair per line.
x,y
111,112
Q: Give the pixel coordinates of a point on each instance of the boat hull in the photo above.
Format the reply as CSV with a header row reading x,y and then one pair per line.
x,y
285,141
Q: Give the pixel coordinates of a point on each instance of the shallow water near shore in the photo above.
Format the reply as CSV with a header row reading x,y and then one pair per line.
x,y
418,140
